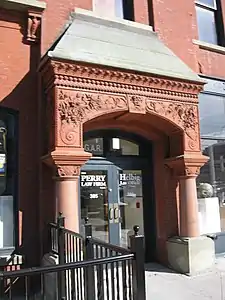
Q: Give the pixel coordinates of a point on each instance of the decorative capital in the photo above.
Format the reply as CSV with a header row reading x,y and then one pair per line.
x,y
68,171
66,164
33,26
188,164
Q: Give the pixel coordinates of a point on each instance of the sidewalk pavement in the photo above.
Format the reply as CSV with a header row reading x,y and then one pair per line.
x,y
164,284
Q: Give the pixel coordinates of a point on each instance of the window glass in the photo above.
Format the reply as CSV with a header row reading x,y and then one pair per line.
x,y
206,25
211,188
124,147
94,201
119,8
131,203
94,146
8,180
212,115
6,222
108,8
211,3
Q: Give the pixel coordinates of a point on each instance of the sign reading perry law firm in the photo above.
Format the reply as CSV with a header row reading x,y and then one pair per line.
x,y
93,180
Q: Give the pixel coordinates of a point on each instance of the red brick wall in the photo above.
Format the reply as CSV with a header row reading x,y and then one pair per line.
x,y
175,22
167,15
141,11
212,63
18,90
55,16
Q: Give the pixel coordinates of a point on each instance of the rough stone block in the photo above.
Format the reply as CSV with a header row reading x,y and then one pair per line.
x,y
191,256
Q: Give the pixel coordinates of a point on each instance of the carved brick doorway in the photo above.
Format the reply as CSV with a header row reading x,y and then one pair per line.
x,y
83,97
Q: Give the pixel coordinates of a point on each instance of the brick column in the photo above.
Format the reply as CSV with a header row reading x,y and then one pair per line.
x,y
67,201
186,168
66,166
189,223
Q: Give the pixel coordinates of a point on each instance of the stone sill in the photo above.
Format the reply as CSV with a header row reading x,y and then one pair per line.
x,y
23,5
210,47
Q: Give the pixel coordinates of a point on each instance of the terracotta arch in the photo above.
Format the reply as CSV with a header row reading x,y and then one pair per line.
x,y
75,108
81,97
165,185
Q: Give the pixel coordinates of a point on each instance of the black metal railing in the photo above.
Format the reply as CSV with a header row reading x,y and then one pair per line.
x,y
68,245
88,269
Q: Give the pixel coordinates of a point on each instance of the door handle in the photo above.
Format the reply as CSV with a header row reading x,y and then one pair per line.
x,y
111,215
116,213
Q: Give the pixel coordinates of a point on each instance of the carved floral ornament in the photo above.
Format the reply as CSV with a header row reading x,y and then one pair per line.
x,y
75,108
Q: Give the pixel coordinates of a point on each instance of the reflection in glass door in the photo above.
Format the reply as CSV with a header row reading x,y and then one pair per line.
x,y
130,203
94,201
112,199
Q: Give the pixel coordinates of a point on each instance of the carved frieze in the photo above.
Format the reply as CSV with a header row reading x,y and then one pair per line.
x,y
77,107
137,104
184,115
67,73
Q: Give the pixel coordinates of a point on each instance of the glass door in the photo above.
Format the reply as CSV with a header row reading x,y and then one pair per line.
x,y
99,200
130,203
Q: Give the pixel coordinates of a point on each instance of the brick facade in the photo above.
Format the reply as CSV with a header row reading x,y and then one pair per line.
x,y
175,23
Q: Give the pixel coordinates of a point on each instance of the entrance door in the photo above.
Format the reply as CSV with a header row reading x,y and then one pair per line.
x,y
112,198
99,200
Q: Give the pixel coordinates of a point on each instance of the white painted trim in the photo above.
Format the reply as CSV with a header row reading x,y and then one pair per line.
x,y
210,47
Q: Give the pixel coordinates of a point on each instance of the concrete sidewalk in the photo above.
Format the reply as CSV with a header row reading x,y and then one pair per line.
x,y
163,284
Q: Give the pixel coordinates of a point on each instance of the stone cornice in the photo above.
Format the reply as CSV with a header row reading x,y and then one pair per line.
x,y
71,75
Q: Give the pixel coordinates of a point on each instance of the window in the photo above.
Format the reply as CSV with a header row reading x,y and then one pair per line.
x,y
212,115
209,20
114,8
112,146
8,181
213,173
211,180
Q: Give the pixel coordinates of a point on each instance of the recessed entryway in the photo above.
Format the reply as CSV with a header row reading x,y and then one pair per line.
x,y
117,188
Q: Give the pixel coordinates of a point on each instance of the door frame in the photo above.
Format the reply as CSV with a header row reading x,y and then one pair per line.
x,y
111,169
142,162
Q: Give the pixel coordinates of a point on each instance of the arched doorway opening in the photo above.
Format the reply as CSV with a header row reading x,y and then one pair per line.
x,y
117,187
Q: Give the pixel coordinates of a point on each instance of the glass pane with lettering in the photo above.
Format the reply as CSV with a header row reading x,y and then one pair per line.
x,y
130,203
94,146
94,201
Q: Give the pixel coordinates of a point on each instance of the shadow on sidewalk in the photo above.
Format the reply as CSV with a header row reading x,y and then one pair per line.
x,y
154,267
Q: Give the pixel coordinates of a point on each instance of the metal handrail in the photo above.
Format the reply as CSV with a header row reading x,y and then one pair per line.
x,y
65,267
53,225
112,247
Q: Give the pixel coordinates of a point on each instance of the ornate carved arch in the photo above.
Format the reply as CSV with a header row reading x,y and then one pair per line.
x,y
78,93
77,107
